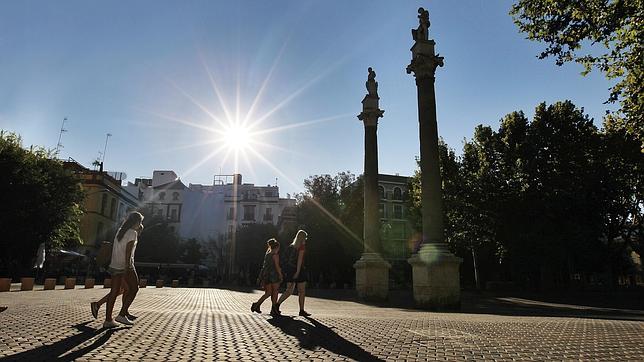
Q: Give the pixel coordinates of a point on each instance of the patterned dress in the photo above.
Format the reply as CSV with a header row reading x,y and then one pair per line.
x,y
269,273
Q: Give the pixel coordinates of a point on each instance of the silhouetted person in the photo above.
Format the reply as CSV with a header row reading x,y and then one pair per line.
x,y
270,277
295,271
122,269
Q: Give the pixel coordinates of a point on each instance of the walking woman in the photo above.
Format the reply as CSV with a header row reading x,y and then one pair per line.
x,y
122,269
295,271
270,277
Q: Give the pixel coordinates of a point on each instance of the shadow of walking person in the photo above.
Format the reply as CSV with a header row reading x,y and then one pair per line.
x,y
57,350
315,334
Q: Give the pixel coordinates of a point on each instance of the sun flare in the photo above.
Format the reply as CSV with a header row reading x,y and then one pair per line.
x,y
237,137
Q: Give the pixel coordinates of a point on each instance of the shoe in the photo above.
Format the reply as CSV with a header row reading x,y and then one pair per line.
x,y
275,312
3,308
303,313
123,319
131,317
109,324
94,307
255,308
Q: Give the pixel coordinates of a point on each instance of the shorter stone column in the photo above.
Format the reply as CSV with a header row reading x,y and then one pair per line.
x,y
372,271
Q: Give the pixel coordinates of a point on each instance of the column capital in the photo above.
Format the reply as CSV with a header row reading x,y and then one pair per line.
x,y
424,65
370,116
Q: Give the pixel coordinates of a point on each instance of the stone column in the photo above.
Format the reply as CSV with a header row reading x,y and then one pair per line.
x,y
435,270
372,271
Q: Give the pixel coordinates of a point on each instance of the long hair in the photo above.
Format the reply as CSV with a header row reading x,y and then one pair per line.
x,y
133,219
299,237
271,245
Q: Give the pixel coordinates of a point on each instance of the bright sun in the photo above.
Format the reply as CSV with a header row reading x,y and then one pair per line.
x,y
237,137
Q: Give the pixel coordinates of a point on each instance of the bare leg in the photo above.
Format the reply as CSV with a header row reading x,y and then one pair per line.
x,y
301,291
114,292
267,293
274,292
132,282
287,293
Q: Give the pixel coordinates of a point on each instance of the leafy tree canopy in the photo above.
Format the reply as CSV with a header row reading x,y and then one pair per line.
x,y
611,34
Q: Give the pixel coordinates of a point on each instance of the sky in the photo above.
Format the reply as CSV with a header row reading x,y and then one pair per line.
x,y
170,79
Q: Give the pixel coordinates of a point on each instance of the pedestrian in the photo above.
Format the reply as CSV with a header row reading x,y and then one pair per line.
x,y
270,277
96,306
122,269
295,271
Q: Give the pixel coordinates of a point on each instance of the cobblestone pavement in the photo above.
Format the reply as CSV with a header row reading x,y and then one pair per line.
x,y
216,324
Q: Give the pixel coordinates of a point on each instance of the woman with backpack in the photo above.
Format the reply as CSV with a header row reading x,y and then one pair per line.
x,y
270,277
122,269
295,271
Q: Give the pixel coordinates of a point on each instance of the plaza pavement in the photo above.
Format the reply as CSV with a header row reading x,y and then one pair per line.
x,y
216,324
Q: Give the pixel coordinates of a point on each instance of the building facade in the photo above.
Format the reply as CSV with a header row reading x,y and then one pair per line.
x,y
396,230
106,205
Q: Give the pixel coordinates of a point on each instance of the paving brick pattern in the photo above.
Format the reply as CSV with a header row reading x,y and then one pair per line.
x,y
215,324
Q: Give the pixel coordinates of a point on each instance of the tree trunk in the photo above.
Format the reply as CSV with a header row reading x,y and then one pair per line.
x,y
476,271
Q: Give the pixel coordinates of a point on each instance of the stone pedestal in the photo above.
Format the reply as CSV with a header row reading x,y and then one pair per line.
x,y
107,283
70,283
436,278
372,277
89,283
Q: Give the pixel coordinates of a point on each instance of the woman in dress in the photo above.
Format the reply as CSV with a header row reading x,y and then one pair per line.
x,y
295,271
270,277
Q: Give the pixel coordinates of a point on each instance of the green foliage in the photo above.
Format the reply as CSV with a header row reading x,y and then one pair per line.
x,y
157,243
331,211
250,245
611,32
190,252
544,199
40,203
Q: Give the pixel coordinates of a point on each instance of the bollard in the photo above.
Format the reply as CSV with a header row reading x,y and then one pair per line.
x,y
70,283
50,284
107,283
89,283
159,283
143,283
27,283
5,284
175,283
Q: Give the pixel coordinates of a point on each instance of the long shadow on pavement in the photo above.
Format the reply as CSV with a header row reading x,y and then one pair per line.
x,y
54,352
317,334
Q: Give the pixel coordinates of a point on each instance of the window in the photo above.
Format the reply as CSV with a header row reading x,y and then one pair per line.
x,y
397,193
268,215
162,196
172,228
398,212
231,213
249,212
160,212
175,196
381,208
173,215
99,231
103,203
113,208
381,191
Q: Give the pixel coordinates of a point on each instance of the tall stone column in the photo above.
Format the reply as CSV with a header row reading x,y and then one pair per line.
x,y
372,271
435,270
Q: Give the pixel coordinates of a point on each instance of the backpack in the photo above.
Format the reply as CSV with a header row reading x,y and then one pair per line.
x,y
104,255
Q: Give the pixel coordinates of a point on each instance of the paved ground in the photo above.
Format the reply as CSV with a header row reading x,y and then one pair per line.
x,y
216,324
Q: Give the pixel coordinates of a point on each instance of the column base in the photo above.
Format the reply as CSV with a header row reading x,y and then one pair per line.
x,y
436,277
372,277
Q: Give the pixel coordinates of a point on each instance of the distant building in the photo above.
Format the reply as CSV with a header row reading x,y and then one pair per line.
x,y
106,204
396,230
220,208
164,194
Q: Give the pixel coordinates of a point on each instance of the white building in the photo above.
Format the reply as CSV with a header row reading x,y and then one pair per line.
x,y
218,209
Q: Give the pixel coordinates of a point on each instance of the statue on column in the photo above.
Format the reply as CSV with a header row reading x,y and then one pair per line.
x,y
371,84
422,32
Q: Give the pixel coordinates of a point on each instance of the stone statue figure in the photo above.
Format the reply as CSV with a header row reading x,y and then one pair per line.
x,y
422,32
371,84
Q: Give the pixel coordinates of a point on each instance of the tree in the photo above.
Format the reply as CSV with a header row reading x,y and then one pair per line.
x,y
190,251
41,202
157,243
331,211
250,247
567,26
